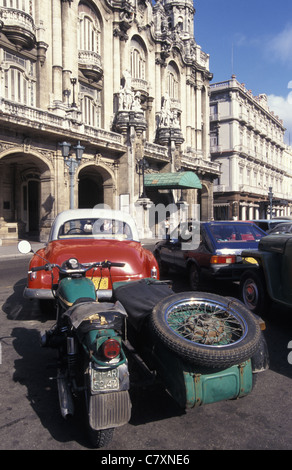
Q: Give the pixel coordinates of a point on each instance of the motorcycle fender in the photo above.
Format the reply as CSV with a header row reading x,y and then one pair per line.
x,y
260,360
109,410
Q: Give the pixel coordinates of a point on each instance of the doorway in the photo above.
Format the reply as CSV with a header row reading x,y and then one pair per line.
x,y
90,191
30,213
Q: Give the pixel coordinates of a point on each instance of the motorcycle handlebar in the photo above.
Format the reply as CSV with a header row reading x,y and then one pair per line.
x,y
102,264
45,267
107,264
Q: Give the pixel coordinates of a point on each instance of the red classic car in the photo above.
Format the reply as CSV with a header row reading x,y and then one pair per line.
x,y
92,235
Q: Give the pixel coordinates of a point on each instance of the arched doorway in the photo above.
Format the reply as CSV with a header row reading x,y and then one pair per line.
x,y
25,186
90,191
95,186
204,202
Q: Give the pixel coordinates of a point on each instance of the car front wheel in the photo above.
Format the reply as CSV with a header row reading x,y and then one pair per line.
x,y
253,292
194,277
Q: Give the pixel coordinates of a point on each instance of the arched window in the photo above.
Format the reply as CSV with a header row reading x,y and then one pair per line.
x,y
89,30
137,60
172,82
18,79
90,106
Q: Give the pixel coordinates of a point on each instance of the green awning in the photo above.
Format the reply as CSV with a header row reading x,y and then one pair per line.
x,y
183,180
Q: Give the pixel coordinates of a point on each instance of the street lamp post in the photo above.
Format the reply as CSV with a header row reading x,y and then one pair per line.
x,y
72,163
142,165
73,82
270,194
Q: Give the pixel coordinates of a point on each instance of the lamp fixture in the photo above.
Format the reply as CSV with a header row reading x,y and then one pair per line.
x,y
79,149
72,163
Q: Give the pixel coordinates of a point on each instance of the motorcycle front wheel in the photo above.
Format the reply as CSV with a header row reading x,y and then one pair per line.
x,y
100,438
206,329
97,437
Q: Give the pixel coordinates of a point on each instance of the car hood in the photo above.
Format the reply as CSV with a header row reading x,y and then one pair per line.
x,y
129,252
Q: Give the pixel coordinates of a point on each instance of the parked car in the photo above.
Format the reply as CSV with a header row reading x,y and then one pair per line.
x,y
92,235
217,253
283,227
270,279
268,224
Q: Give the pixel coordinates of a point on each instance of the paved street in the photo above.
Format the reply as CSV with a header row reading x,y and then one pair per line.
x,y
30,419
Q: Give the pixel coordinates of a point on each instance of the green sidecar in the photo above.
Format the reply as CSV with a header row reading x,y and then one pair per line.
x,y
270,278
203,347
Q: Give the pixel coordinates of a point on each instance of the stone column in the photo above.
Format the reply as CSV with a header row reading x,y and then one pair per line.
x,y
47,204
69,46
233,173
57,51
198,117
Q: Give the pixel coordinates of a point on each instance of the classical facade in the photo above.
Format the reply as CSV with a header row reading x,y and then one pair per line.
x,y
247,140
123,81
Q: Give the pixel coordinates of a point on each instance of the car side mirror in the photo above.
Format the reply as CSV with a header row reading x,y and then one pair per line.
x,y
24,247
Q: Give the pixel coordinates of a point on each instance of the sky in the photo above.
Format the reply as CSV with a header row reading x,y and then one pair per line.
x,y
251,39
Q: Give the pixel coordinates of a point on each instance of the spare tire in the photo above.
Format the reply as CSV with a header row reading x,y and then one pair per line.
x,y
206,329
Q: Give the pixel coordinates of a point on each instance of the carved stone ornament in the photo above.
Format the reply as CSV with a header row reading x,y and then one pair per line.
x,y
130,112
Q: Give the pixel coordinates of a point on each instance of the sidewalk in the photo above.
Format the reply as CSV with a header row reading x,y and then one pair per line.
x,y
8,248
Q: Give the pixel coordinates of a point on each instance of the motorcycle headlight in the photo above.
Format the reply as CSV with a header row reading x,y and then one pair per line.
x,y
72,263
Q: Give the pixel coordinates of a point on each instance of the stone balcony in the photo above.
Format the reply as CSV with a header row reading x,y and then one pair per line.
x,y
42,122
50,123
194,160
90,65
18,27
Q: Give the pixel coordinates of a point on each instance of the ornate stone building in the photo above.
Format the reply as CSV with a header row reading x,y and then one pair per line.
x,y
125,82
247,140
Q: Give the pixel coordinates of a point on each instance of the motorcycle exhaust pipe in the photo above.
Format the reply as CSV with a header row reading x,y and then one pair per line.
x,y
65,396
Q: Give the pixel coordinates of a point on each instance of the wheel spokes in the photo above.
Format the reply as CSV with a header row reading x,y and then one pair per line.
x,y
205,323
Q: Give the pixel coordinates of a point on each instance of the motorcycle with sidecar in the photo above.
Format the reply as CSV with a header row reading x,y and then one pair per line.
x,y
203,347
269,277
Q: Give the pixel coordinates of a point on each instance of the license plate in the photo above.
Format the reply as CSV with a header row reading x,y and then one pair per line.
x,y
100,283
104,380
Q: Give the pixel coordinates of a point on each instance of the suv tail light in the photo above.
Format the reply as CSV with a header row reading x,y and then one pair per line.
x,y
223,259
111,348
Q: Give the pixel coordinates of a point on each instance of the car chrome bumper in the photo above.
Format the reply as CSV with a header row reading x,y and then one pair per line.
x,y
232,272
38,293
103,294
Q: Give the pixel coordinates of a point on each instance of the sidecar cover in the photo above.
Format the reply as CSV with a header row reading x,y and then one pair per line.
x,y
139,297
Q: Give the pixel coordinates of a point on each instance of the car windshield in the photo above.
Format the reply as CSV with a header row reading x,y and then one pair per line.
x,y
235,232
281,228
95,228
